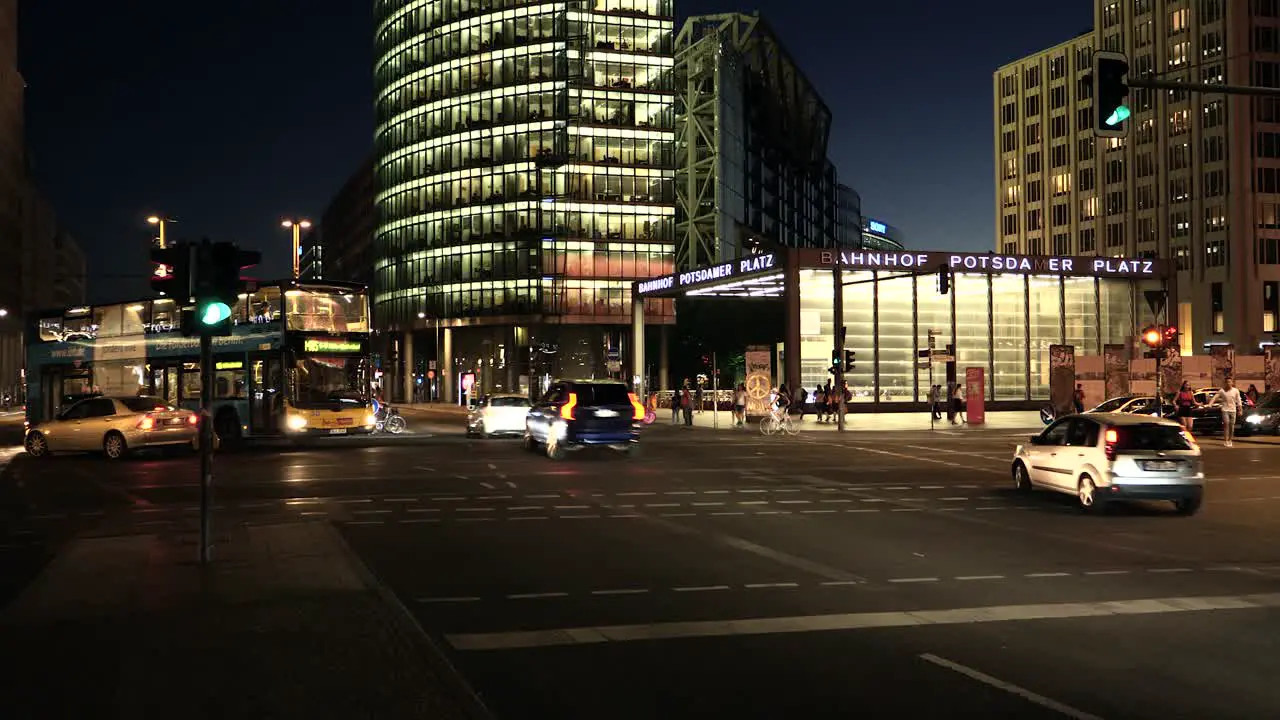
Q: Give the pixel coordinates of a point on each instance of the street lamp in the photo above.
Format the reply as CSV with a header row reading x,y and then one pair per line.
x,y
161,222
297,226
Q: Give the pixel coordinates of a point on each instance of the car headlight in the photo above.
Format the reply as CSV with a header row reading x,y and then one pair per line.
x,y
297,422
1254,418
370,420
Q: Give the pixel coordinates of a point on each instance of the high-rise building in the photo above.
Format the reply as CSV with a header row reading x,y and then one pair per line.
x,y
1197,180
347,228
525,180
751,145
880,235
311,265
12,196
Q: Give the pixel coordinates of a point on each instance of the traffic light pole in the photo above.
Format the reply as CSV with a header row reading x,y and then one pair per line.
x,y
838,323
1154,84
206,447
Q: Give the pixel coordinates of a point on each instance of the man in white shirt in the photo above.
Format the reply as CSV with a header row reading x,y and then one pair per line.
x,y
1228,398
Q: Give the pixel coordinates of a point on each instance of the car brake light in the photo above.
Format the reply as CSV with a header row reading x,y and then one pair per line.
x,y
1111,437
159,408
146,423
636,406
193,419
566,410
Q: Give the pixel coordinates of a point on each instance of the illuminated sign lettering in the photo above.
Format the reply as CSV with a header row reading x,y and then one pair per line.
x,y
991,263
877,227
712,273
229,365
322,346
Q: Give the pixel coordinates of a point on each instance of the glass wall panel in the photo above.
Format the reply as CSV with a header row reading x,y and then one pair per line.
x,y
816,327
1116,307
935,313
896,351
1081,314
860,321
1044,314
1008,323
973,331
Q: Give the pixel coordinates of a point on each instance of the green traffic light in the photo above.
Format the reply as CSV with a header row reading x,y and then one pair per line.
x,y
1118,116
215,312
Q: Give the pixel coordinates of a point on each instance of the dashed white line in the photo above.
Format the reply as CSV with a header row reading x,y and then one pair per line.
x,y
715,492
1047,575
980,577
1107,572
932,487
447,498
521,508
1169,570
621,591
544,496
907,510
863,510
304,501
370,512
700,588
795,502
572,507
530,517
364,522
991,507
314,513
714,514
839,500
840,583
753,502
707,504
475,509
537,596
419,521
753,491
677,514
401,500
662,505
581,517
899,487
424,510
953,499
872,500
474,519
761,586
636,494
680,492
356,501
914,580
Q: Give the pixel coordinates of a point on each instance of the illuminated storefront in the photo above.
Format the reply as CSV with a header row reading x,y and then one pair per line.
x,y
1002,313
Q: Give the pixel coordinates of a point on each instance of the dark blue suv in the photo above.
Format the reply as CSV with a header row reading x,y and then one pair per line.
x,y
577,413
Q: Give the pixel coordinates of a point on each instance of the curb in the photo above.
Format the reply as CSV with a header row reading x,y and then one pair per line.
x,y
464,694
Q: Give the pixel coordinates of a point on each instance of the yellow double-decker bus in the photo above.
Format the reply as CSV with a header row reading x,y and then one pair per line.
x,y
295,364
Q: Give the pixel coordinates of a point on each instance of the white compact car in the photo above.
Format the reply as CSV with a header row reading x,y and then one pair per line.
x,y
1114,456
498,415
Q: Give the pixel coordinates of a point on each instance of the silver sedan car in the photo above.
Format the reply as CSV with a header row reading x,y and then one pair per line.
x,y
114,426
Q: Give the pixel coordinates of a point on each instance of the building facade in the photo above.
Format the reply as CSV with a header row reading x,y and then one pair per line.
x,y
347,228
1197,180
311,255
880,235
752,173
523,160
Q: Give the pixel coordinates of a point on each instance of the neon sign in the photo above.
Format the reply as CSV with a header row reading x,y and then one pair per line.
x,y
991,263
331,346
712,273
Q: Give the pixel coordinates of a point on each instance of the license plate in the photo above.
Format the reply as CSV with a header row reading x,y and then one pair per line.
x,y
1159,465
174,421
338,431
606,413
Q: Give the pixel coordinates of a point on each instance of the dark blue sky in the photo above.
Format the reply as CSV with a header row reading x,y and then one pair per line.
x,y
231,117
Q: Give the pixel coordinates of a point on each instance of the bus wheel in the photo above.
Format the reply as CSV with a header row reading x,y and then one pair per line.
x,y
226,426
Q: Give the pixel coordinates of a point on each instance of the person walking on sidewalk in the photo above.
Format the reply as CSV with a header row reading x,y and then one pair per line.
x,y
1232,406
740,405
697,397
935,402
1077,398
686,406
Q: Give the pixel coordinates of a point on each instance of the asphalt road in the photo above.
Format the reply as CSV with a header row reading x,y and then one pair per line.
x,y
723,574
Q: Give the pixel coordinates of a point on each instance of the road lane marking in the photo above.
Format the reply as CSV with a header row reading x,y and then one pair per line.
x,y
914,580
530,517
572,507
671,515
635,494
314,513
707,504
304,501
802,512
1168,570
423,510
473,509
1010,688
581,517
952,499
661,505
681,492
1046,575
370,512
621,591
256,505
526,507
715,492
761,586
795,502
401,500
447,498
863,510
448,599
840,500
356,501
1107,572
700,588
979,577
537,596
839,583
590,635
419,521
544,496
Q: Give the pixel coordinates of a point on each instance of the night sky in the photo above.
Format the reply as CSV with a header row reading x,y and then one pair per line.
x,y
229,116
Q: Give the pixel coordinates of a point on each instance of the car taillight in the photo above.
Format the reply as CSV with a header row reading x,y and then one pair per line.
x,y
193,419
636,407
146,423
566,410
1111,437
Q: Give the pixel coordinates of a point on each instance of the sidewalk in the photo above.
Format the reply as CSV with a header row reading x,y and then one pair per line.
x,y
286,623
871,422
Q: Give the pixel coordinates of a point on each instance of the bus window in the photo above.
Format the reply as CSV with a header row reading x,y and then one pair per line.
x,y
264,305
332,311
50,329
164,316
108,320
190,381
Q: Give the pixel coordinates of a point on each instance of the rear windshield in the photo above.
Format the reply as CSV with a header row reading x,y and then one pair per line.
x,y
1112,405
144,403
601,394
508,402
1151,437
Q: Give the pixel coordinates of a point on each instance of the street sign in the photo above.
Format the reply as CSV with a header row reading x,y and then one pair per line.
x,y
938,359
431,364
924,365
1155,300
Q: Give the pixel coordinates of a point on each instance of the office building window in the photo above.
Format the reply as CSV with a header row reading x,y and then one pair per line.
x,y
1179,156
1087,242
1086,179
1033,163
1011,195
1145,165
1115,171
1267,215
1268,180
1062,244
1034,220
1266,8
1060,155
1060,215
1179,224
1058,127
1178,54
1031,78
1008,113
1142,34
1146,230
1057,97
1111,15
1144,197
1217,307
1062,182
1266,39
1212,74
1009,141
1084,57
1089,208
1115,236
1010,168
1030,109
1011,248
1035,246
1179,122
1210,11
1008,86
1182,258
1271,307
1116,202
1268,145
1057,67
1145,131
1113,43
1266,74
1215,148
1179,189
1268,251
1215,183
1211,114
1179,20
1085,149
1034,194
1215,254
1211,44
1141,7
1215,218
1010,224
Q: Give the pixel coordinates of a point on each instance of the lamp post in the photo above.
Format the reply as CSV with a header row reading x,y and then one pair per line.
x,y
297,226
160,222
436,322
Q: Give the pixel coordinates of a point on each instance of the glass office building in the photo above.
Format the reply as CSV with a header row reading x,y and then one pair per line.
x,y
525,179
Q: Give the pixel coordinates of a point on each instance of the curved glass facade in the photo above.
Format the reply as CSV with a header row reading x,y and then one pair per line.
x,y
524,160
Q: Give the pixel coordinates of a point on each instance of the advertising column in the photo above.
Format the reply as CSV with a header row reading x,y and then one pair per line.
x,y
1062,379
975,401
1224,363
1272,368
759,380
1116,369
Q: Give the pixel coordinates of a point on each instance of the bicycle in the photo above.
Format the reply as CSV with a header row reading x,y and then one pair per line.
x,y
773,423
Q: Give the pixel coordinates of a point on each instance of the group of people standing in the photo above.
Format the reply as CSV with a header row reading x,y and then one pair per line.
x,y
954,403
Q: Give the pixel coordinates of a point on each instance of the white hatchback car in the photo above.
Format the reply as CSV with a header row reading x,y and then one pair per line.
x,y
502,414
1114,456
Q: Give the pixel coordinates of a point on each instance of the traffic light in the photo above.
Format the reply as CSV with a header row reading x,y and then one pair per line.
x,y
850,358
944,279
1110,94
216,285
836,361
1171,337
171,271
1152,337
